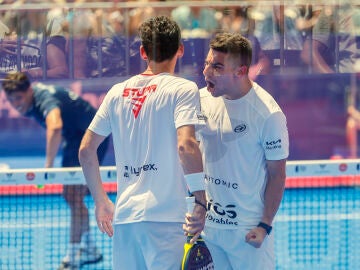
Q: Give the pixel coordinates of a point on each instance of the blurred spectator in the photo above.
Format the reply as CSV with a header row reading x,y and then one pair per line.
x,y
277,33
275,21
237,20
308,17
196,21
332,47
95,48
140,14
36,36
8,19
78,26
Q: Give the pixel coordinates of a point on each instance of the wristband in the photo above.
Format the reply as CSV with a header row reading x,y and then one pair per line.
x,y
201,204
265,226
195,181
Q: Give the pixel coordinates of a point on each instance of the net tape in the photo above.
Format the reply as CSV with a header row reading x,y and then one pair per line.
x,y
74,175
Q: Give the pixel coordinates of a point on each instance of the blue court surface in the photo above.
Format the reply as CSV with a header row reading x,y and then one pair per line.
x,y
315,229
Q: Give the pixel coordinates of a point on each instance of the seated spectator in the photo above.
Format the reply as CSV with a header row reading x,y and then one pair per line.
x,y
38,37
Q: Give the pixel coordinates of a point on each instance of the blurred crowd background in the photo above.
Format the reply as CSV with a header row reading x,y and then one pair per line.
x,y
98,39
307,53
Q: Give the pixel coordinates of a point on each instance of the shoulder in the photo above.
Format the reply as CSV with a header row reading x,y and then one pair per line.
x,y
263,101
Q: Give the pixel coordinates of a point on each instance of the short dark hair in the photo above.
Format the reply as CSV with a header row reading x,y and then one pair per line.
x,y
234,44
15,82
160,37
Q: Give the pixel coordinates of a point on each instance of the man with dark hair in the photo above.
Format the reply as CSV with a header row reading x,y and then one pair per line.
x,y
244,147
65,117
152,117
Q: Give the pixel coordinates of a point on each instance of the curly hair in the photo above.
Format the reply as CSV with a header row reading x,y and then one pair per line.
x,y
160,37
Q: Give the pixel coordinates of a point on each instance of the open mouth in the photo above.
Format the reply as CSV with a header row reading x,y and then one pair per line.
x,y
210,86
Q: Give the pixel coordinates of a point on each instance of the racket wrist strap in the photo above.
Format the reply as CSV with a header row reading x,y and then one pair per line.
x,y
201,204
195,181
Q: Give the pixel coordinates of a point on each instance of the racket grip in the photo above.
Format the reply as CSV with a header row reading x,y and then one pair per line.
x,y
190,203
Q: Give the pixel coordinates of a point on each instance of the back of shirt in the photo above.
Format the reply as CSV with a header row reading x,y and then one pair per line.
x,y
143,114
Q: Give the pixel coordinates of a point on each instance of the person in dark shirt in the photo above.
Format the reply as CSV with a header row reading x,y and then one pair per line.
x,y
65,116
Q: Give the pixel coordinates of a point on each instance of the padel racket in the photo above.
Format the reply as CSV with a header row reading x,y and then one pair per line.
x,y
196,256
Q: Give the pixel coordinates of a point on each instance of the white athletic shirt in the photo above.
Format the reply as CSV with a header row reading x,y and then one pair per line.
x,y
143,113
240,135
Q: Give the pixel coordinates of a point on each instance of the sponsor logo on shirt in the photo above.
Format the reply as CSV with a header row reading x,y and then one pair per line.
x,y
138,96
202,117
130,170
221,214
240,128
271,145
220,182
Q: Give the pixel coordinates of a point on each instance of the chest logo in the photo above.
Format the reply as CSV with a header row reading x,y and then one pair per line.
x,y
240,128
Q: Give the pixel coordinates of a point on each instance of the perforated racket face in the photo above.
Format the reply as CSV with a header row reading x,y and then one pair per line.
x,y
199,258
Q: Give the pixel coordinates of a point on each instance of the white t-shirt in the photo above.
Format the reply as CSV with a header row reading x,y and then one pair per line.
x,y
240,135
143,114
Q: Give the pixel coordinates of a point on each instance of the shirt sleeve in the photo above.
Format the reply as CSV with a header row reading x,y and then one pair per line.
x,y
275,137
101,124
187,109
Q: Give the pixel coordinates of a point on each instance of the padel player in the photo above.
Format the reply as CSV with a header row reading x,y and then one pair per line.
x,y
152,118
65,116
244,146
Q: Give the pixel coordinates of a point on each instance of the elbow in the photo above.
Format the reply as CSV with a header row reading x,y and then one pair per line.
x,y
84,153
185,148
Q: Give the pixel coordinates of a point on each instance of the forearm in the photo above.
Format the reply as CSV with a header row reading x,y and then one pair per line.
x,y
190,157
273,196
53,141
90,166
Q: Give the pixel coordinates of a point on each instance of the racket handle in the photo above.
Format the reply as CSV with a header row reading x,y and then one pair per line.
x,y
190,203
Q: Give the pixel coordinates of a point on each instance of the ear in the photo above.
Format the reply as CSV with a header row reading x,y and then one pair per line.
x,y
241,70
143,53
180,51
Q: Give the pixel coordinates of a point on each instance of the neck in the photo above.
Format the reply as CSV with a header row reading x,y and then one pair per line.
x,y
167,66
242,89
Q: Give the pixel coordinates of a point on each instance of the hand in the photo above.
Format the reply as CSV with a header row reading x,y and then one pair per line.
x,y
256,237
195,222
104,217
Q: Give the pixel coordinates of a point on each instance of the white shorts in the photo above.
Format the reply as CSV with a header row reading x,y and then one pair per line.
x,y
148,245
230,251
